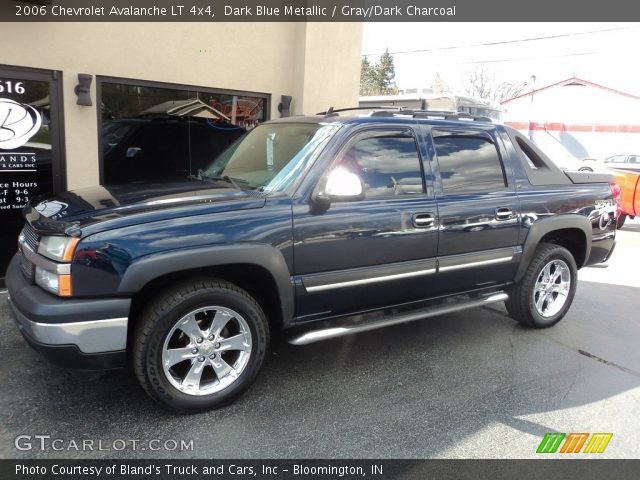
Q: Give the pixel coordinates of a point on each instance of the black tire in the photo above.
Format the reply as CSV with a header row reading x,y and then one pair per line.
x,y
161,318
620,220
521,303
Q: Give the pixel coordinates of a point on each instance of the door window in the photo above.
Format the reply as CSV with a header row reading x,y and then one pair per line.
x,y
389,165
468,164
616,159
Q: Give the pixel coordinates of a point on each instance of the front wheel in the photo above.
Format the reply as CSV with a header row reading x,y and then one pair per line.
x,y
199,345
546,291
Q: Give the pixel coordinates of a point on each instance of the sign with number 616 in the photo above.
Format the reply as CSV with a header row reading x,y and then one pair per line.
x,y
9,87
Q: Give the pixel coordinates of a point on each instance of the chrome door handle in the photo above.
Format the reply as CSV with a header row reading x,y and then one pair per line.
x,y
503,213
423,220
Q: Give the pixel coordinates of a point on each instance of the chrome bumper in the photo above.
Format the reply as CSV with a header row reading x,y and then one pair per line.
x,y
95,336
89,334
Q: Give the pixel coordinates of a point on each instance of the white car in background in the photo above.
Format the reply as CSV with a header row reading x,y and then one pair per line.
x,y
571,163
621,161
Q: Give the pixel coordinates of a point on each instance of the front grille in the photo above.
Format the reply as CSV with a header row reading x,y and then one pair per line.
x,y
31,238
28,269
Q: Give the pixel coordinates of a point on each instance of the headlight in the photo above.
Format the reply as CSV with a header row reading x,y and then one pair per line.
x,y
59,248
54,283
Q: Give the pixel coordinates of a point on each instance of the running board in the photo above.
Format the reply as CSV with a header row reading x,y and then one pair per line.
x,y
335,332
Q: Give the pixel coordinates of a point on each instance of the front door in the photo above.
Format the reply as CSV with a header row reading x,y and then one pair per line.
x,y
30,151
373,252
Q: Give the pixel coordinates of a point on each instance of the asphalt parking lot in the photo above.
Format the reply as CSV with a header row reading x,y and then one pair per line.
x,y
467,385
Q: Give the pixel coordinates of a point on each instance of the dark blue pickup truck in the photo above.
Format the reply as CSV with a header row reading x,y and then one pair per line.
x,y
323,226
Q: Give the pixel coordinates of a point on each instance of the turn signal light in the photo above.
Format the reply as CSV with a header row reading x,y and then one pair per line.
x,y
64,289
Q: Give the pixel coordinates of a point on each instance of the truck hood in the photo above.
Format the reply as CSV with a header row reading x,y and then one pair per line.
x,y
102,207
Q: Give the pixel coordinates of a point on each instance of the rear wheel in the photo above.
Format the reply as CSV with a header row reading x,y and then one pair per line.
x,y
546,291
620,220
199,345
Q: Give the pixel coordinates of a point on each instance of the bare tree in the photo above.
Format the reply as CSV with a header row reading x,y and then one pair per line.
x,y
482,83
479,82
439,85
506,90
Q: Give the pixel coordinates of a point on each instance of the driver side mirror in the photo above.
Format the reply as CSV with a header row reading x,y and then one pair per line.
x,y
339,185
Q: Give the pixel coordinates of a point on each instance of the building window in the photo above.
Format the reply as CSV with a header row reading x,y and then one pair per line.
x,y
31,152
153,132
468,164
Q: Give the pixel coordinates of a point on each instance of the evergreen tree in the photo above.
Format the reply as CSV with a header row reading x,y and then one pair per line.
x,y
367,78
386,74
378,78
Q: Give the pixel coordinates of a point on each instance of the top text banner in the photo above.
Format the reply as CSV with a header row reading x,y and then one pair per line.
x,y
317,11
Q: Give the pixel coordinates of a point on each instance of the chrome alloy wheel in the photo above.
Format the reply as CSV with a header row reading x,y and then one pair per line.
x,y
552,288
206,350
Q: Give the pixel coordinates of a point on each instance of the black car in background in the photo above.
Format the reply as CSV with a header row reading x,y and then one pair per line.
x,y
142,149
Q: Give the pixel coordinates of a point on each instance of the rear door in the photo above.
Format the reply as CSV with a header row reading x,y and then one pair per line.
x,y
373,252
478,208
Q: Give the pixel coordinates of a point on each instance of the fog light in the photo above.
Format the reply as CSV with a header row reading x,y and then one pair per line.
x,y
54,283
47,280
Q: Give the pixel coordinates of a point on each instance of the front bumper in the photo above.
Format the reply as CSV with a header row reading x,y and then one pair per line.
x,y
85,334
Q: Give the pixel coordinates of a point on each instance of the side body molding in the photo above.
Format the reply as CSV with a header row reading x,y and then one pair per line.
x,y
541,227
151,267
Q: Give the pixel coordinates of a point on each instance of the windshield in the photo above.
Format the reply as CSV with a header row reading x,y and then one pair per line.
x,y
271,156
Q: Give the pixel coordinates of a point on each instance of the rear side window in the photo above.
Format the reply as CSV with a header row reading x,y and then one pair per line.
x,y
388,165
468,164
616,159
530,156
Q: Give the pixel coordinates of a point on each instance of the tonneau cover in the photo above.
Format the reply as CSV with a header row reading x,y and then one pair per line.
x,y
589,177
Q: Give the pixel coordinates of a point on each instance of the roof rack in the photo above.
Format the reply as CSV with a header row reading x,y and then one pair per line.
x,y
446,114
388,111
332,113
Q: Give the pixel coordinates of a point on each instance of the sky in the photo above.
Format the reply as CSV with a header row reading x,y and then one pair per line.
x,y
604,53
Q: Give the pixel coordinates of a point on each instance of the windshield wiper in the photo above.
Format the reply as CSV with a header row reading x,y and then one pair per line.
x,y
230,180
226,178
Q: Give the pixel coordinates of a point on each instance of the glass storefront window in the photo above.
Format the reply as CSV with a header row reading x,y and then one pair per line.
x,y
159,133
30,147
